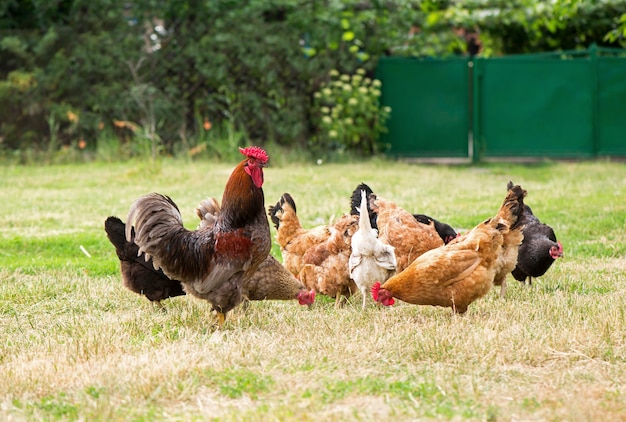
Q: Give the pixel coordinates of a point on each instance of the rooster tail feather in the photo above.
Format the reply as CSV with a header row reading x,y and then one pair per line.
x,y
208,211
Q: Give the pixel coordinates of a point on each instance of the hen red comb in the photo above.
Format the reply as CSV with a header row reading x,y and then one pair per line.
x,y
375,289
255,152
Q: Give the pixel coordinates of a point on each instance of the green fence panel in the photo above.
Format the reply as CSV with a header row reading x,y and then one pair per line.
x,y
429,102
611,119
533,107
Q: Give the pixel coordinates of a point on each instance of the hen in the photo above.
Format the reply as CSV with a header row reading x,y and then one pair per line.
x,y
401,230
138,275
464,270
325,266
271,281
211,262
445,231
293,239
538,250
370,260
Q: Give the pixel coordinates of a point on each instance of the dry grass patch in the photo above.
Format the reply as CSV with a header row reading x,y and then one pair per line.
x,y
76,345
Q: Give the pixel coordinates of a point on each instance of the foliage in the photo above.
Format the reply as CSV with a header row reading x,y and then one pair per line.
x,y
253,66
619,32
348,113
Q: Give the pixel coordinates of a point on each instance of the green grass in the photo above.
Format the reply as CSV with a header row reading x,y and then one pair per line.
x,y
76,345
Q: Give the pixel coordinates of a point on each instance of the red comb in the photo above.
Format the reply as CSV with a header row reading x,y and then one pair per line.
x,y
256,153
375,289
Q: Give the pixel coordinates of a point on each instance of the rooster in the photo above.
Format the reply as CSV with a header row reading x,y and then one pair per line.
x,y
271,281
464,270
139,275
370,260
293,239
445,231
211,262
538,250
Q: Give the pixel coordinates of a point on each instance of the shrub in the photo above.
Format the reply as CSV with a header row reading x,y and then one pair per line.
x,y
348,113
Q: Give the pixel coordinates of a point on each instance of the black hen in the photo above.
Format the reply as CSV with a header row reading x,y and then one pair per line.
x,y
445,231
538,250
138,275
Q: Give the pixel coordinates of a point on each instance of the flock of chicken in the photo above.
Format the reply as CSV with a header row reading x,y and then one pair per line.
x,y
377,248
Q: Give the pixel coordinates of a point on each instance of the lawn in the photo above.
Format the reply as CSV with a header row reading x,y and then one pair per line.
x,y
76,345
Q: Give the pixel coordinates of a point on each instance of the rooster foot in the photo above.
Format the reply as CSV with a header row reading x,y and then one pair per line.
x,y
159,306
221,317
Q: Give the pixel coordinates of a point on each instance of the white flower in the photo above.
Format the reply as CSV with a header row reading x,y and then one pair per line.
x,y
345,78
348,120
357,78
376,83
332,134
387,109
347,87
317,95
334,72
327,120
325,110
354,101
360,71
319,161
363,90
327,92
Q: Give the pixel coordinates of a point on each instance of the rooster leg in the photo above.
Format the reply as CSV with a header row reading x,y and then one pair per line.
x,y
245,304
364,294
221,317
158,306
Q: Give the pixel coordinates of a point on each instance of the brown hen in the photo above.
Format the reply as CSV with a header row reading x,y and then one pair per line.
x,y
400,229
325,266
294,240
464,270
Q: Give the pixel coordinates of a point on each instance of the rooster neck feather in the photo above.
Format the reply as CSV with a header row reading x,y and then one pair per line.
x,y
242,201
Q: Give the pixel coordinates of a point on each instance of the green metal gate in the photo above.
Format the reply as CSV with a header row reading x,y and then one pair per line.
x,y
558,105
611,106
429,102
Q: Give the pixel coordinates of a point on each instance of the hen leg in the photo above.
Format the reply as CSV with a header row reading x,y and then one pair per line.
x,y
363,293
503,288
158,305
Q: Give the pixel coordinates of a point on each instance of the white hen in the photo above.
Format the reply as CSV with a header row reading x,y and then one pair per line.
x,y
371,260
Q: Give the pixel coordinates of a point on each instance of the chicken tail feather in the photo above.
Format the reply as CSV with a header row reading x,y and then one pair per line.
x,y
513,207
